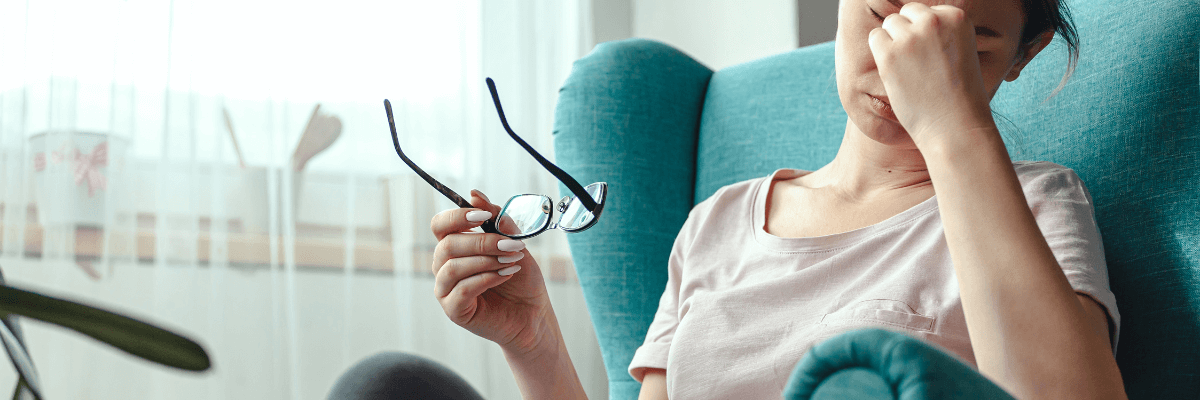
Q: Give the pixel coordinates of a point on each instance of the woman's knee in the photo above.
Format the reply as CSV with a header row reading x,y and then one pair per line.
x,y
395,375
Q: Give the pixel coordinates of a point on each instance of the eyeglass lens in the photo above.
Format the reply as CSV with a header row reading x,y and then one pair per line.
x,y
528,215
524,215
577,216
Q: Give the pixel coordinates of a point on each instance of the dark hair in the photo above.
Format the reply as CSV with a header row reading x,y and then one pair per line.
x,y
1042,16
1051,15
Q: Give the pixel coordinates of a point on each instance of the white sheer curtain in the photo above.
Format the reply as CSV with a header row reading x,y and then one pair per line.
x,y
122,185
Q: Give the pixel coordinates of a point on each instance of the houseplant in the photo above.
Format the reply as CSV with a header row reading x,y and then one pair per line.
x,y
127,334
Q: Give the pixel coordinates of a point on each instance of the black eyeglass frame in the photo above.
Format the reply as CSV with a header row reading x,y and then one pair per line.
x,y
563,205
489,226
578,190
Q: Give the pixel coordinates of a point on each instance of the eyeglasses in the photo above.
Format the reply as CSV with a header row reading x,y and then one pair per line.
x,y
527,215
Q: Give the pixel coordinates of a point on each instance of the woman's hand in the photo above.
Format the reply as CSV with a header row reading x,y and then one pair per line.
x,y
507,309
927,59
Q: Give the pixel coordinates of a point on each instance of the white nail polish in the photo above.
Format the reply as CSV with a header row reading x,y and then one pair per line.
x,y
509,271
478,216
510,245
508,259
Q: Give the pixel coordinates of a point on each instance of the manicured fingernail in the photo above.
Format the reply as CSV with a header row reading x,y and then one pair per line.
x,y
508,259
509,271
478,216
510,245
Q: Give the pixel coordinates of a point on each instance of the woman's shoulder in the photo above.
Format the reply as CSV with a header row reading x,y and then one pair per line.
x,y
1041,180
743,192
1027,167
732,201
1033,170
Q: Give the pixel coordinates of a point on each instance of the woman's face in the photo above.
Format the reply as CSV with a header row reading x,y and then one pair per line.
x,y
998,25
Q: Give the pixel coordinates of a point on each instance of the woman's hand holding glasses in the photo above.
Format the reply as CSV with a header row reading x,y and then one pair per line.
x,y
476,280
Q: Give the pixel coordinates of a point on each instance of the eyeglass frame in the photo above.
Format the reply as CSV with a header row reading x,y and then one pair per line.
x,y
564,204
489,226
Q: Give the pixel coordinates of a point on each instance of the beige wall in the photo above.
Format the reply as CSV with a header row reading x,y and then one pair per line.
x,y
612,20
718,33
818,21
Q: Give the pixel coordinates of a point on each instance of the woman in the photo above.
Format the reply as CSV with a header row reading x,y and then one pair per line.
x,y
1012,251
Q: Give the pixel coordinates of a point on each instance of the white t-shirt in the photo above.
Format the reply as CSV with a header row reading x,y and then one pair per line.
x,y
742,306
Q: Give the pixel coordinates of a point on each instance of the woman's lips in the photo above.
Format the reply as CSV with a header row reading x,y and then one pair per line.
x,y
883,108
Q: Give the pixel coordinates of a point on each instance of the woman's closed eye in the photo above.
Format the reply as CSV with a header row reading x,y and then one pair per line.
x,y
880,19
876,14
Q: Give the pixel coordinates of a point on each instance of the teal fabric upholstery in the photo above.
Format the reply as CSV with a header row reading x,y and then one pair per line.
x,y
665,133
628,115
851,383
881,364
780,111
1128,122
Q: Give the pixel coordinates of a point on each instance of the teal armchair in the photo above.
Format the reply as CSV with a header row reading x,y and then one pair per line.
x,y
666,132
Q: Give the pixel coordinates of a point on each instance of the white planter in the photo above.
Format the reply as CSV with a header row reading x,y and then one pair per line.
x,y
73,172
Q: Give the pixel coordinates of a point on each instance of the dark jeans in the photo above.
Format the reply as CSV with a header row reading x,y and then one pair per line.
x,y
401,376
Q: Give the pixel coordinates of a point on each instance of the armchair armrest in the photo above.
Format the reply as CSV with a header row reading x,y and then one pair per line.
x,y
880,364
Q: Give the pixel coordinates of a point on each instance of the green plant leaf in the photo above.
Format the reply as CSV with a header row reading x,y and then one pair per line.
x,y
25,391
133,336
14,345
22,362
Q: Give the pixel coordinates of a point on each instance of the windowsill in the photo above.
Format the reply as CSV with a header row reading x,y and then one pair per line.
x,y
315,247
242,248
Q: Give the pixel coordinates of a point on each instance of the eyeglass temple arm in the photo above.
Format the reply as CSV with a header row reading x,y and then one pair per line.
x,y
572,184
489,226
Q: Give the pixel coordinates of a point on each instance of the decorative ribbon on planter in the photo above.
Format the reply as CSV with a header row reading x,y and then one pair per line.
x,y
87,166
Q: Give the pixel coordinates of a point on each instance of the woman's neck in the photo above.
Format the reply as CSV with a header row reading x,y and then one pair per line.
x,y
865,169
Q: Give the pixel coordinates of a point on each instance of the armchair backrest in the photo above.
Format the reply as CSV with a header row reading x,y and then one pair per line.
x,y
665,133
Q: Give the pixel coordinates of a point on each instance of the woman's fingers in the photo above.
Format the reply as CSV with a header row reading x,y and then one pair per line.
x,y
463,219
479,200
507,226
456,270
926,58
918,14
879,41
457,220
949,13
461,303
466,264
473,244
896,24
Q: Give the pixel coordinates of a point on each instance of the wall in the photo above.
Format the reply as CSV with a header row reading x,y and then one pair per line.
x,y
719,33
817,20
612,20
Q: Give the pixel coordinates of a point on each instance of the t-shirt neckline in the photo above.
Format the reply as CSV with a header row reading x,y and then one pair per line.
x,y
827,242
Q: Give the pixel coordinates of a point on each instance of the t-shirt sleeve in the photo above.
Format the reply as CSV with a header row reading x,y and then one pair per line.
x,y
654,350
1063,208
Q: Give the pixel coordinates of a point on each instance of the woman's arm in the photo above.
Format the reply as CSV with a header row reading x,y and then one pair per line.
x,y
654,385
1030,332
547,372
